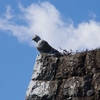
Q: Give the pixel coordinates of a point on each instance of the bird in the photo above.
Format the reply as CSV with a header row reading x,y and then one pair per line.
x,y
43,46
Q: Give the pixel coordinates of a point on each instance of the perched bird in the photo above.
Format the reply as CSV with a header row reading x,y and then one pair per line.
x,y
43,46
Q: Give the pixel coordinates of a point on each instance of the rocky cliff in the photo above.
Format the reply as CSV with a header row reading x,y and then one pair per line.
x,y
67,77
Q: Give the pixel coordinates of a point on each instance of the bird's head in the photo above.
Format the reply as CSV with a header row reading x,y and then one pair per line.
x,y
36,38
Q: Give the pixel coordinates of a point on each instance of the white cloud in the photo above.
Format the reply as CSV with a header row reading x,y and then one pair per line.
x,y
46,21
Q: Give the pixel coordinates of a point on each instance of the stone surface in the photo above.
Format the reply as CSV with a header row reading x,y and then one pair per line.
x,y
74,87
71,66
66,77
42,90
45,67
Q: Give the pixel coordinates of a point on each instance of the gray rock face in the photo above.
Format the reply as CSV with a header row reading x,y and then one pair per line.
x,y
42,90
71,66
43,46
43,70
73,77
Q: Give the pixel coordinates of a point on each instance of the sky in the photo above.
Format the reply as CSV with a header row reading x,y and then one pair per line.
x,y
66,24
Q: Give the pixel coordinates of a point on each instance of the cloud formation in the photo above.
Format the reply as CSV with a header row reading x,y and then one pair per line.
x,y
46,21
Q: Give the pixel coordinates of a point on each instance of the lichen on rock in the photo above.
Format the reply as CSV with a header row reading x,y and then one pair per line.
x,y
42,90
45,67
66,77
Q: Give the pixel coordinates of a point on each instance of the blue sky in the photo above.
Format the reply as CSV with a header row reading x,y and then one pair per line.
x,y
69,24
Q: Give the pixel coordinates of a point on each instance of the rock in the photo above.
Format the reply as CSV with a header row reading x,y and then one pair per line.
x,y
71,66
71,87
45,67
42,90
66,77
85,98
90,62
90,92
74,87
